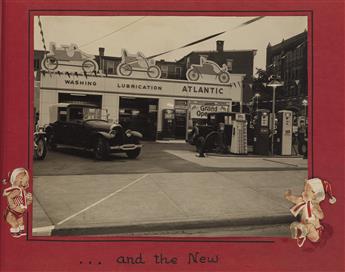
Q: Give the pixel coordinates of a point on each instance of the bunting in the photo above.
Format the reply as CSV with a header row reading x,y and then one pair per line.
x,y
42,35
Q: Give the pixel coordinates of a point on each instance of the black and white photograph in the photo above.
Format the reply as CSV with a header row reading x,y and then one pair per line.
x,y
169,126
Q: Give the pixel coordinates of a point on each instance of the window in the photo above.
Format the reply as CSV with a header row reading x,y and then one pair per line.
x,y
76,114
80,99
109,66
178,72
105,65
188,62
36,64
181,104
164,69
62,114
229,63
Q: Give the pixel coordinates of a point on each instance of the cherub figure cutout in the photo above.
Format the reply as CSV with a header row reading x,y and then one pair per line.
x,y
307,207
18,200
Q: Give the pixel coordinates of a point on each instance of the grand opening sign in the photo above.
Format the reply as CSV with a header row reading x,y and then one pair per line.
x,y
151,87
198,111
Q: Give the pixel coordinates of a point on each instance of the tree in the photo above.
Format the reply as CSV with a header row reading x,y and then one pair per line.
x,y
260,80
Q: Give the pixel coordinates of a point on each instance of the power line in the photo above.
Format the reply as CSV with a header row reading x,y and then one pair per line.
x,y
111,33
208,37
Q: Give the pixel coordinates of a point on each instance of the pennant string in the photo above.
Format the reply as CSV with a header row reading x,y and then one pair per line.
x,y
42,35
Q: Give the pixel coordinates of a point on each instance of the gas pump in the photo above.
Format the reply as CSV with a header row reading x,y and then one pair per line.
x,y
261,132
283,138
168,127
239,135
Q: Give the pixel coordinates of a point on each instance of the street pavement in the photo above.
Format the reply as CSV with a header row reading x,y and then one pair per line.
x,y
152,159
177,192
157,158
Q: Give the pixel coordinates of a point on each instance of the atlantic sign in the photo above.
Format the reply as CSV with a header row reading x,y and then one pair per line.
x,y
151,87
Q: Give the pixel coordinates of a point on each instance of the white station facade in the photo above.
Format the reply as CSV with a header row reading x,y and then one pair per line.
x,y
137,95
196,98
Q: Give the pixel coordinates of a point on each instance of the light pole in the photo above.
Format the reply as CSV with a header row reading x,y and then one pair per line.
x,y
257,95
274,84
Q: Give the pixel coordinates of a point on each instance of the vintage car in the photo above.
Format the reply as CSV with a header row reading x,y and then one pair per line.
x,y
215,135
209,136
87,127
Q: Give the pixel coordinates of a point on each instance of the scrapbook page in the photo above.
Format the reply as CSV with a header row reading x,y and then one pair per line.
x,y
170,136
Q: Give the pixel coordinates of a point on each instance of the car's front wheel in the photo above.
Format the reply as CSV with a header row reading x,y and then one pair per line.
x,y
133,154
101,149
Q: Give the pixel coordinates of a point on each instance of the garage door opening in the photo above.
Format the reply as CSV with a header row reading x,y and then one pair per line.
x,y
140,114
95,100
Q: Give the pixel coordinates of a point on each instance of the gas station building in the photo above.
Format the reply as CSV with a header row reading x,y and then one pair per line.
x,y
159,108
164,107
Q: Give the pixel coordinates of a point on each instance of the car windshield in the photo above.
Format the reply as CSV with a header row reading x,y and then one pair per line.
x,y
84,113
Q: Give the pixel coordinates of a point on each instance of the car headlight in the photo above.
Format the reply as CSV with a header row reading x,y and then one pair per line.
x,y
112,130
128,133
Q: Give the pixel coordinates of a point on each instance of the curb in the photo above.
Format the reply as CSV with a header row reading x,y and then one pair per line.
x,y
171,226
249,155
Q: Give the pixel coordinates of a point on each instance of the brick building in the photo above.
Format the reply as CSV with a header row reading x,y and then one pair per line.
x,y
288,61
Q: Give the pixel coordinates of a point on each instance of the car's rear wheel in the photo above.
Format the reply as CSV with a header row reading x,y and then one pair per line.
x,y
133,154
224,77
41,149
101,149
153,72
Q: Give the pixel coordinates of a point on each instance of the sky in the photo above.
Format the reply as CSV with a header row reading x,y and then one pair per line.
x,y
155,34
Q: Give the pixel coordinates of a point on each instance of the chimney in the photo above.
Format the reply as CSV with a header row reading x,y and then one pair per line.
x,y
220,46
101,51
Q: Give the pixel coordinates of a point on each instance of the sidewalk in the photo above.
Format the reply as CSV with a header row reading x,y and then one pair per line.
x,y
124,203
242,162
